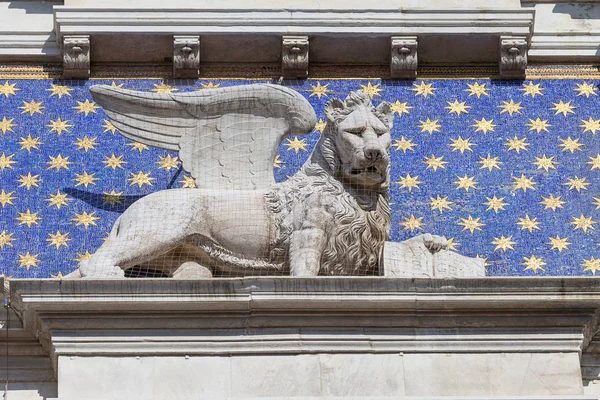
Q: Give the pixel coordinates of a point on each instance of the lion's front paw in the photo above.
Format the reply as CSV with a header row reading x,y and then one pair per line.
x,y
435,243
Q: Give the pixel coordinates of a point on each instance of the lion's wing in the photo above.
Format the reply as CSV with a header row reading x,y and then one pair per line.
x,y
227,138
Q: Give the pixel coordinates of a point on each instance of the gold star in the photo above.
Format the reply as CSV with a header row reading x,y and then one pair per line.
x,y
409,182
440,203
86,143
138,146
585,89
7,89
85,179
83,256
510,107
296,144
58,162
457,108
412,223
28,260
6,125
503,243
401,108
108,127
113,198
529,224
59,126
534,263
403,144
6,198
28,218
430,126
58,199
28,181
552,202
140,179
59,275
30,143
423,89
452,244
168,162
465,182
577,183
545,163
582,222
277,163
592,265
476,89
209,85
484,125
85,219
596,203
6,239
559,243
319,90
571,145
538,125
113,161
563,108
532,89
434,162
591,125
58,239
490,162
59,90
86,107
495,203
320,125
188,182
517,144
461,144
523,183
32,107
471,224
6,162
595,162
163,88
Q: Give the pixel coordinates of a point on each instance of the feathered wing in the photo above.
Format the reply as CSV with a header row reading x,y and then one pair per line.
x,y
227,138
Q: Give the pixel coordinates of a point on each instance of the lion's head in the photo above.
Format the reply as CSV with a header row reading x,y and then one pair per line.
x,y
361,136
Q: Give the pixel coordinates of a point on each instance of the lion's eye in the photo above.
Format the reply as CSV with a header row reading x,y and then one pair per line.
x,y
356,131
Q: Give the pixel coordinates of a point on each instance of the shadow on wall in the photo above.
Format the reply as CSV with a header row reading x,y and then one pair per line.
x,y
102,201
579,11
34,7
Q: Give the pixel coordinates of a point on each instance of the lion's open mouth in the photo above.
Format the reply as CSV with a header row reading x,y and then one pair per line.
x,y
356,171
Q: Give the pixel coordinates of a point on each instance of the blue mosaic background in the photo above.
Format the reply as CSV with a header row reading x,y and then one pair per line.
x,y
507,170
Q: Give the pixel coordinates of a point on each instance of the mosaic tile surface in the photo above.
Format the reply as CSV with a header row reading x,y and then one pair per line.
x,y
509,171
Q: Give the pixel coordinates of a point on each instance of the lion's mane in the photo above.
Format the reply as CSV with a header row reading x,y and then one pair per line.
x,y
361,222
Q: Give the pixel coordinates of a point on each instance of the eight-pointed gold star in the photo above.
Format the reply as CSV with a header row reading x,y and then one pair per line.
x,y
577,183
28,181
113,161
591,264
32,107
434,162
6,239
403,144
523,183
371,90
563,108
503,243
6,125
594,162
113,198
533,263
495,203
440,203
538,125
545,163
86,143
28,260
559,243
8,89
528,223
59,162
29,143
163,88
319,90
138,146
466,182
188,182
140,179
484,125
409,182
59,90
476,89
401,108
85,179
423,89
412,223
571,145
582,222
109,127
489,162
59,199
429,125
296,144
168,162
58,239
517,144
6,198
85,219
510,107
586,89
86,107
552,202
6,162
457,107
28,218
59,126
532,89
471,224
462,145
591,125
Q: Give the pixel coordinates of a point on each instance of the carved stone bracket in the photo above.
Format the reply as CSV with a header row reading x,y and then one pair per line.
x,y
186,56
294,56
513,57
76,57
403,60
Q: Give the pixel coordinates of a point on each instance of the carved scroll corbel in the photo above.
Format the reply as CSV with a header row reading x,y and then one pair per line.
x,y
186,56
403,62
76,57
294,56
513,57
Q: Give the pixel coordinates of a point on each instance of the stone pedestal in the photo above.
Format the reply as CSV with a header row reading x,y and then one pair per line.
x,y
318,338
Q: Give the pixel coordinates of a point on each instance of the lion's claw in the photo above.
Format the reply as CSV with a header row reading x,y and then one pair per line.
x,y
435,243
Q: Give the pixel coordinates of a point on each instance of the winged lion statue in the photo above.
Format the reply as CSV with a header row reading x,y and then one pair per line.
x,y
331,218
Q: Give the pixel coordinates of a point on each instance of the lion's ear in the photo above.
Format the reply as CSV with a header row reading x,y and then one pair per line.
x,y
385,109
333,108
